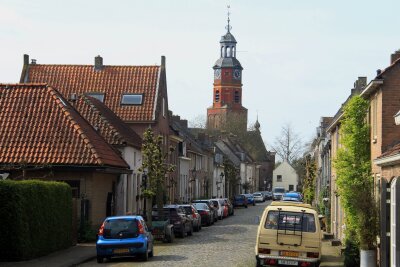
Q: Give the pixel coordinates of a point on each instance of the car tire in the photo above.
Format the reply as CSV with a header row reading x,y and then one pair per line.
x,y
151,253
171,237
254,203
199,227
190,233
145,256
245,206
182,233
100,259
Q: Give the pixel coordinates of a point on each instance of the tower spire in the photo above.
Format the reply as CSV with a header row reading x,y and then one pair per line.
x,y
228,27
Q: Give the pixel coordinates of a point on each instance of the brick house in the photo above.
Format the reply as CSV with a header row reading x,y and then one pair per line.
x,y
383,93
136,94
43,137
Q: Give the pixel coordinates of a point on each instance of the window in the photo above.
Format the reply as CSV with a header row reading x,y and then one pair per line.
x,y
217,96
163,107
237,97
98,96
374,119
291,221
279,178
132,99
291,187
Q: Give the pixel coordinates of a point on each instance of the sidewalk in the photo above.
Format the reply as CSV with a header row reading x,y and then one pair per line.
x,y
64,258
331,255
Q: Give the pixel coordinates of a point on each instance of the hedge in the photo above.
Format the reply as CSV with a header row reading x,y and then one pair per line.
x,y
35,218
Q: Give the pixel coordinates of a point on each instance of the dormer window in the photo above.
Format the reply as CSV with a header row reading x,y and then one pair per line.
x,y
132,99
98,96
217,96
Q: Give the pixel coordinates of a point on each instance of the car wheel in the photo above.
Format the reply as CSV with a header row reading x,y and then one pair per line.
x,y
182,234
245,206
99,259
190,233
145,256
254,203
151,253
171,237
197,228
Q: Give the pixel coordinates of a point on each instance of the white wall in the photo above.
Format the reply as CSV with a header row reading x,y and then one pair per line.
x,y
289,176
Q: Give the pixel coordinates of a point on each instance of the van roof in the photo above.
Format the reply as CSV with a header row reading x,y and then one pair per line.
x,y
291,204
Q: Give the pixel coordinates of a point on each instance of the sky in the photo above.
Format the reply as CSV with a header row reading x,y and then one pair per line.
x,y
300,57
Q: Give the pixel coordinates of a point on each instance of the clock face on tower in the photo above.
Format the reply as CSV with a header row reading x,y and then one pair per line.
x,y
236,74
217,74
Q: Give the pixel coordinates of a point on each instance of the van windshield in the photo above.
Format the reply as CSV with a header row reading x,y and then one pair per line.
x,y
279,190
291,221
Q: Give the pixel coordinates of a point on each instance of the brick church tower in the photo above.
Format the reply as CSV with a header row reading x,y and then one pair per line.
x,y
227,96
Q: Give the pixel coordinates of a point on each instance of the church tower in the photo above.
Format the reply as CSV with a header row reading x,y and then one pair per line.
x,y
227,110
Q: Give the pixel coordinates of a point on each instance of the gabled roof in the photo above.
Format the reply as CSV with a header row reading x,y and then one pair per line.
x,y
109,125
39,127
111,80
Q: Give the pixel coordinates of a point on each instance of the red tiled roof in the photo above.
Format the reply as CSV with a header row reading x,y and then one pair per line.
x,y
38,126
109,125
111,80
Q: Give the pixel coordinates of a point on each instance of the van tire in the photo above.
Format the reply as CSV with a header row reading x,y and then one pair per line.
x,y
100,259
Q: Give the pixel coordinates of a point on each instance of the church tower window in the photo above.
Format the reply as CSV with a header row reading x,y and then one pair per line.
x,y
217,96
237,97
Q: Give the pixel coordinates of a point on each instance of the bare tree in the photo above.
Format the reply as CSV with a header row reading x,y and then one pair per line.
x,y
288,146
200,121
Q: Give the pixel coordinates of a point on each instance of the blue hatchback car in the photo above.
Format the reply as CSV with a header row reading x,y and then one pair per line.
x,y
250,199
121,236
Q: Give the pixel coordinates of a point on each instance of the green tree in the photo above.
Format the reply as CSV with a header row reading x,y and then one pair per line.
x,y
309,179
231,176
354,179
154,162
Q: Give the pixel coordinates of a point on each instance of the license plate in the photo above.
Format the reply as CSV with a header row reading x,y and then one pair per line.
x,y
121,250
290,253
294,263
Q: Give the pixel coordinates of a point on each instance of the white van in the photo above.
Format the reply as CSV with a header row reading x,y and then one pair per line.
x,y
289,234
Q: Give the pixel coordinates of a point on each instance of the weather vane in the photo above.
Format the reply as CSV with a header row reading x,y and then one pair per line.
x,y
228,27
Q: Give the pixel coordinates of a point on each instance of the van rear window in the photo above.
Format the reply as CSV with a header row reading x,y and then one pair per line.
x,y
290,221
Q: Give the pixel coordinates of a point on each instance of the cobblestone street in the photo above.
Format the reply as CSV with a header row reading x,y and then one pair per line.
x,y
229,242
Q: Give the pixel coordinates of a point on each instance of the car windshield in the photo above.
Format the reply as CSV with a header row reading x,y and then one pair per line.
x,y
279,190
188,210
239,197
120,229
215,202
257,195
200,206
292,221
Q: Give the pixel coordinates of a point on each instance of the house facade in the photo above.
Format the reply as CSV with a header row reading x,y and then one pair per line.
x,y
285,176
44,137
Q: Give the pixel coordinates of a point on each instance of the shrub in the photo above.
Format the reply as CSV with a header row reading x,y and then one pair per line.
x,y
351,253
35,218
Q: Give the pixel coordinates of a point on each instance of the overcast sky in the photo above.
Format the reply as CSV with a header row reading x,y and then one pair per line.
x,y
300,57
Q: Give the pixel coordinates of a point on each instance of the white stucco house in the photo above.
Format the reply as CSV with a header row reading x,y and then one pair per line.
x,y
285,176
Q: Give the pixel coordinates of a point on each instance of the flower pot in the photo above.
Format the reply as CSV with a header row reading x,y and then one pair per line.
x,y
367,258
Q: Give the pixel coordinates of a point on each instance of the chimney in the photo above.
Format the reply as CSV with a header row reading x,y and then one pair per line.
x,y
33,61
98,63
26,59
184,123
395,56
360,84
163,62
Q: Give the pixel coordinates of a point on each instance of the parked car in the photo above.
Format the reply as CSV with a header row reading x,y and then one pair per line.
x,y
223,203
250,199
231,211
220,208
191,211
258,197
267,195
210,205
240,201
277,193
292,196
207,215
121,236
183,224
289,234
